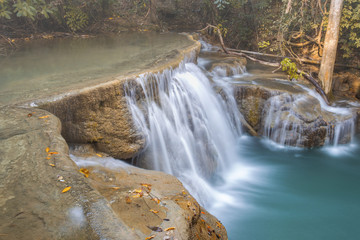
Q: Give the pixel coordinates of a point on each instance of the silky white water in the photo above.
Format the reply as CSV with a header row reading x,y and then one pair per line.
x,y
192,126
191,130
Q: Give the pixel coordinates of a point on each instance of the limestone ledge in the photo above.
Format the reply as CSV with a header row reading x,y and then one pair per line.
x,y
99,114
35,168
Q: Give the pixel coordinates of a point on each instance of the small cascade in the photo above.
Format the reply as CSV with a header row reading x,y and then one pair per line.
x,y
304,120
191,130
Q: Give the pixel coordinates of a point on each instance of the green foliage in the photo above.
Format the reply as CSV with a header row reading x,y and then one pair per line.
x,y
290,68
350,28
28,9
4,12
223,30
75,19
263,44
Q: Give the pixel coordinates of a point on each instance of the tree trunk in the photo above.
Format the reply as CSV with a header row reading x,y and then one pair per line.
x,y
330,45
153,13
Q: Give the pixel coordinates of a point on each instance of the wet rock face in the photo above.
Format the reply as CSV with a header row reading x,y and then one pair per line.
x,y
291,117
32,205
151,202
99,116
347,84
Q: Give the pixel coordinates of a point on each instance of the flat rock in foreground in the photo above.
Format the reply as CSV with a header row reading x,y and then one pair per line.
x,y
35,168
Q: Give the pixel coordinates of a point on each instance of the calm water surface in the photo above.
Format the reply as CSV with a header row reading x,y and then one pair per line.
x,y
46,67
281,193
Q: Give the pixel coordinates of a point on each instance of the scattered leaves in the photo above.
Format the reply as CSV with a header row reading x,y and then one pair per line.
x,y
146,185
155,229
156,200
137,195
66,189
138,190
51,153
151,237
51,164
47,149
84,171
42,117
153,211
219,225
168,229
99,155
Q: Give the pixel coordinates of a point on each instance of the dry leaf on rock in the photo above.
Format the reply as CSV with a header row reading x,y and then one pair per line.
x,y
44,117
66,189
151,237
170,228
84,171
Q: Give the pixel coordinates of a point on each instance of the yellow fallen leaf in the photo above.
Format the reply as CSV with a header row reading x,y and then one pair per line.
x,y
51,164
168,229
137,195
99,155
156,200
153,211
138,190
116,188
66,189
48,158
84,171
47,149
51,153
218,224
183,192
188,204
44,117
151,237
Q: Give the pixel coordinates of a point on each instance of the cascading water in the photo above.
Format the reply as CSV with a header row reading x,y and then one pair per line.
x,y
192,131
292,119
191,123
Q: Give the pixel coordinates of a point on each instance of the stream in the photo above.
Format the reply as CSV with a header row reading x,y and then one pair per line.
x,y
259,189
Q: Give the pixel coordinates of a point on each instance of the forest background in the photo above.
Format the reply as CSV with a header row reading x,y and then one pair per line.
x,y
293,28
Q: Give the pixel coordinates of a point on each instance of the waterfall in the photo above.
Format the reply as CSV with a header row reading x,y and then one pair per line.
x,y
305,120
191,130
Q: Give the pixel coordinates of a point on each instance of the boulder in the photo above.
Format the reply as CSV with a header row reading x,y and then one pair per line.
x,y
36,201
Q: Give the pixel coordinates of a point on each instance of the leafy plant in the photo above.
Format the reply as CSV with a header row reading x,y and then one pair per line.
x,y
290,68
76,19
263,44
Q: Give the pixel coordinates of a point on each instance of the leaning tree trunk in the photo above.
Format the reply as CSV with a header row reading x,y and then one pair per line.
x,y
330,45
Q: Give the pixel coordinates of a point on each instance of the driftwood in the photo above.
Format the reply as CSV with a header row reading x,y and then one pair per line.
x,y
242,53
300,60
